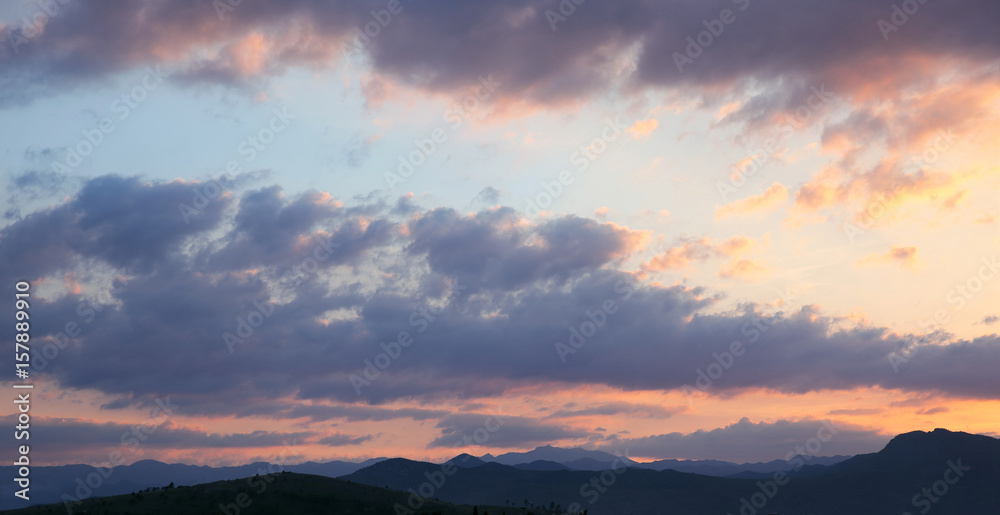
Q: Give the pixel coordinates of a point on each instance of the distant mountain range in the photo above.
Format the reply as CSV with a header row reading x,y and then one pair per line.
x,y
50,483
583,459
951,473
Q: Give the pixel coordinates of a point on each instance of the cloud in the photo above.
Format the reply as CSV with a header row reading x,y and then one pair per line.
x,y
341,439
905,257
985,219
73,438
742,269
504,432
271,231
493,249
632,45
643,128
856,411
990,319
910,172
690,251
620,408
124,222
746,441
489,196
933,411
36,184
525,284
352,413
772,198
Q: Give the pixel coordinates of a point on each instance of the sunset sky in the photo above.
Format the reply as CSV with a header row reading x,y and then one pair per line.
x,y
683,229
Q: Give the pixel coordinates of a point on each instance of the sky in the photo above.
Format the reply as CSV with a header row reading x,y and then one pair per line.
x,y
305,230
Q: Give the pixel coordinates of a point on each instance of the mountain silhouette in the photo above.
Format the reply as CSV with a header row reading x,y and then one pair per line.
x,y
938,473
949,472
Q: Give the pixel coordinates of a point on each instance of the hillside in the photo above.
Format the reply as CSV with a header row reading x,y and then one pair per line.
x,y
287,493
49,484
627,491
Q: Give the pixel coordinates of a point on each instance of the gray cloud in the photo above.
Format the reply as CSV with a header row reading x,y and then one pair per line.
x,y
620,408
789,44
488,196
55,439
489,250
504,432
529,286
341,439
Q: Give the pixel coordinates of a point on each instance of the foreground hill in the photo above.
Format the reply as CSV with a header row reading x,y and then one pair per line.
x,y
939,472
278,494
621,492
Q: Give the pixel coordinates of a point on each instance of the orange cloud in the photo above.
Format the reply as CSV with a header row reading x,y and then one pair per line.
x,y
71,284
249,55
872,196
932,125
985,219
735,245
744,269
771,199
737,173
904,256
697,250
643,128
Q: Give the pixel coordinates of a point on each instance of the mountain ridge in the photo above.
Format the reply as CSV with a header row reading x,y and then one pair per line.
x,y
906,465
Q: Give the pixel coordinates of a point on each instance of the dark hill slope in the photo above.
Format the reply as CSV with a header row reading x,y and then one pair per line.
x,y
287,494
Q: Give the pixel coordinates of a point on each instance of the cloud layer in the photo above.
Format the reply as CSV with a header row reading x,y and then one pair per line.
x,y
456,305
598,46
